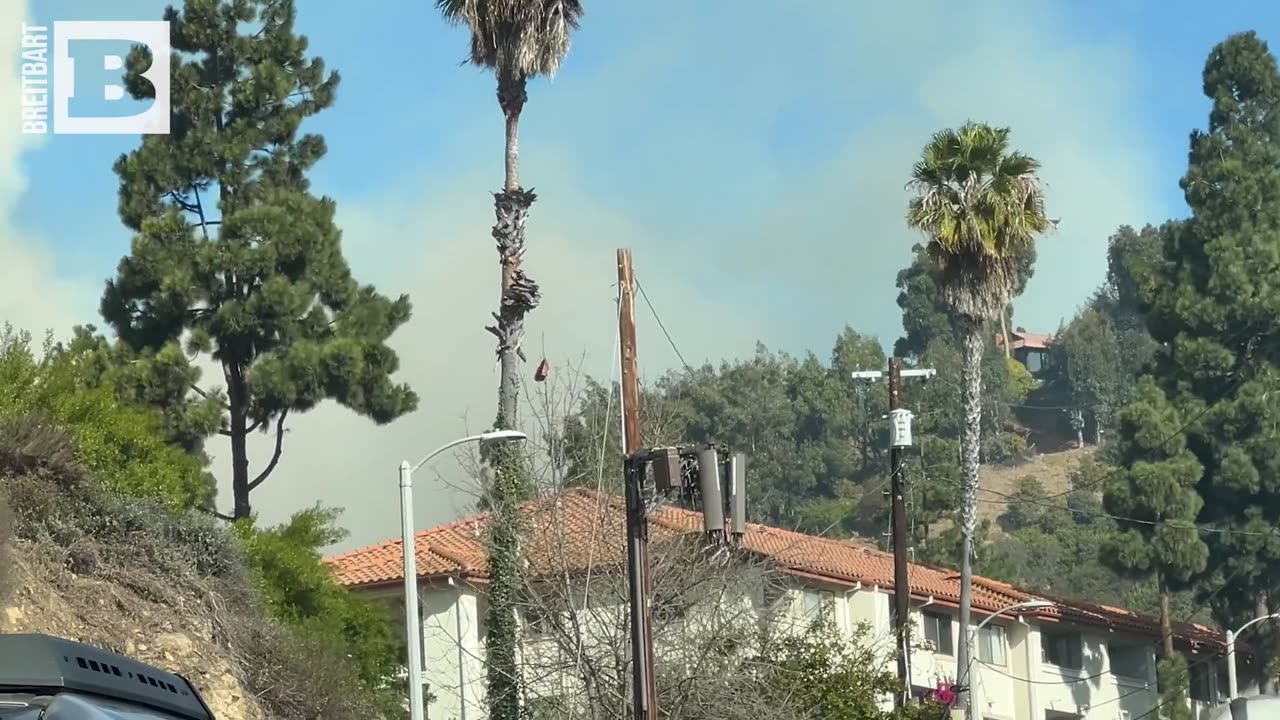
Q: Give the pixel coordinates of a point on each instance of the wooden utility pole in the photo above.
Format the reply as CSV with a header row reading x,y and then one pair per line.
x,y
901,546
899,438
644,692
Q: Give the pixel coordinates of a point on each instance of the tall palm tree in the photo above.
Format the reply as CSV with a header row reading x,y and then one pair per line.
x,y
981,207
517,40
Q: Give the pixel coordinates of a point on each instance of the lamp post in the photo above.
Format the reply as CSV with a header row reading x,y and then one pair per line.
x,y
1232,688
973,638
413,631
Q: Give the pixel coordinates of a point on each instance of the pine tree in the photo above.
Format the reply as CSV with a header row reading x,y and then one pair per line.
x,y
232,255
158,380
1155,493
1213,304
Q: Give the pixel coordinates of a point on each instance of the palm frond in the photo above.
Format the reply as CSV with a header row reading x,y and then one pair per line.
x,y
521,38
982,207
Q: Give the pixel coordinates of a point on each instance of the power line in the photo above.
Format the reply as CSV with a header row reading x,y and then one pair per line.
x,y
1146,686
1044,502
662,326
1235,383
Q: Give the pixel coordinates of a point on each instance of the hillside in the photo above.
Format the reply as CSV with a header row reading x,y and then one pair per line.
x,y
104,614
1053,470
997,482
136,575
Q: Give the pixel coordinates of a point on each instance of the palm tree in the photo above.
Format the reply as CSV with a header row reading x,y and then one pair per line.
x,y
517,40
981,207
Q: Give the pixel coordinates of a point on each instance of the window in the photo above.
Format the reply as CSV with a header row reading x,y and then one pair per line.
x,y
1062,649
1129,660
546,708
1200,681
818,604
991,644
771,596
538,621
937,630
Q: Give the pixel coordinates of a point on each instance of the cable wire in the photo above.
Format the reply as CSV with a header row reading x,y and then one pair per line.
x,y
662,326
1045,502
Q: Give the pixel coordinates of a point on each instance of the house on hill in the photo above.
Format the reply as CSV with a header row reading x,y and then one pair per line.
x,y
1064,659
1030,349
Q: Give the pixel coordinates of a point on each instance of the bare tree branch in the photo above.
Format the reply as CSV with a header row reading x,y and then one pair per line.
x,y
275,455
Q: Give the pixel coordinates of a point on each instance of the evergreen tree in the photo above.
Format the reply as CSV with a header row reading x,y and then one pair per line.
x,y
157,380
255,278
1088,366
1155,493
1212,304
925,314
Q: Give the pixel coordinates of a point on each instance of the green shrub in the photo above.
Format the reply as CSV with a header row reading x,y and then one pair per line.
x,y
1021,382
299,589
120,446
819,674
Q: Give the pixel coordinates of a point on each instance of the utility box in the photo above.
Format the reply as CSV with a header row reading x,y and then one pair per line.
x,y
667,474
711,485
900,428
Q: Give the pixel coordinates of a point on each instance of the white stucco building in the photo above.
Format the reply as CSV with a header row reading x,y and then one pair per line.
x,y
1067,660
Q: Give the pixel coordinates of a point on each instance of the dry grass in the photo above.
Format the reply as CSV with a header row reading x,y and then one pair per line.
x,y
1053,470
8,573
998,482
138,577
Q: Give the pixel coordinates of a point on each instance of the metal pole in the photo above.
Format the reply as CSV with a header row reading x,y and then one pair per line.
x,y
413,632
901,579
644,690
1232,688
972,638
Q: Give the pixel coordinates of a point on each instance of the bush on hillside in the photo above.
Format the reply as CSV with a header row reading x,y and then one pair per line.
x,y
1021,381
7,584
118,444
299,589
183,559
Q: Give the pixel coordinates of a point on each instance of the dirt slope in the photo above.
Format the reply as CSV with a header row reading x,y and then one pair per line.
x,y
998,482
57,602
1053,470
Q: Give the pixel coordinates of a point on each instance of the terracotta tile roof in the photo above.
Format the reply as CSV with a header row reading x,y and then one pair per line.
x,y
1031,341
580,528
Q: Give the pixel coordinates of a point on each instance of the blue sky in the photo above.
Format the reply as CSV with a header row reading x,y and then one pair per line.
x,y
753,157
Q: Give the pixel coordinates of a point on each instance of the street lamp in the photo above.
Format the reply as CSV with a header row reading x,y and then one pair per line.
x,y
413,632
1232,689
968,683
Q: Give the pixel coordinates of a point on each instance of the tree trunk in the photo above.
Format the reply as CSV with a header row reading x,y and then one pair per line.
x,y
1166,619
970,443
519,293
237,399
1004,335
519,296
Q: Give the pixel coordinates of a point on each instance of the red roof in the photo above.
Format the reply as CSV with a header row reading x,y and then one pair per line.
x,y
1030,341
580,528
